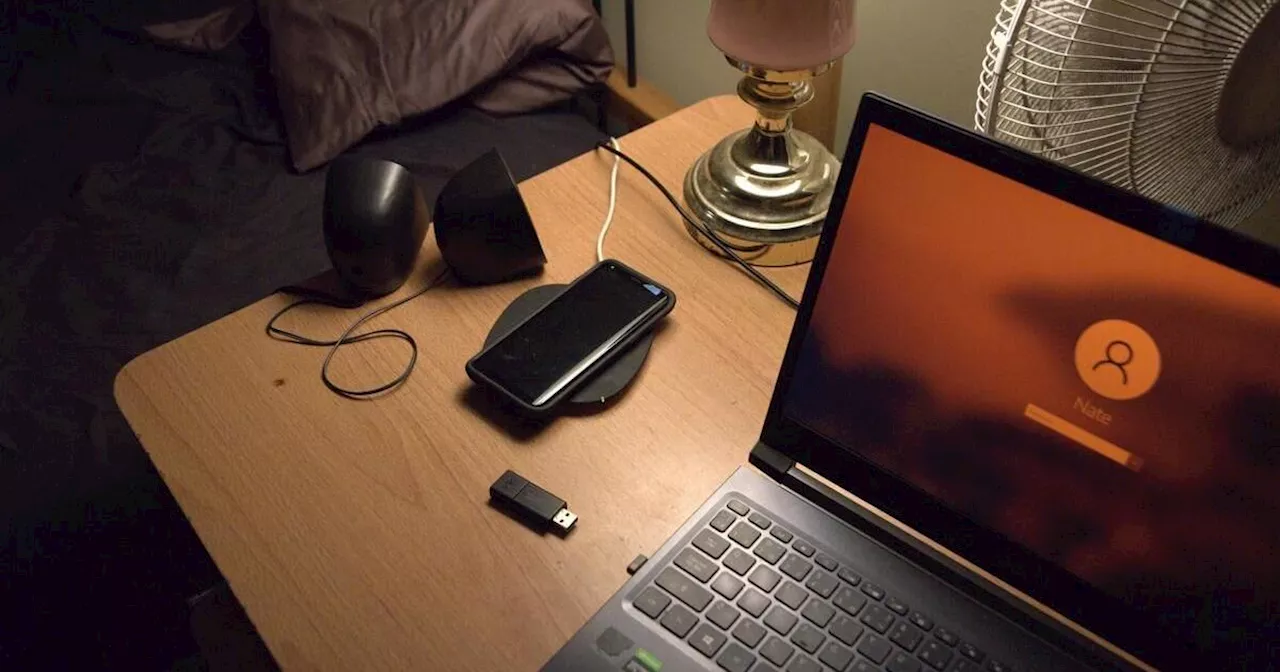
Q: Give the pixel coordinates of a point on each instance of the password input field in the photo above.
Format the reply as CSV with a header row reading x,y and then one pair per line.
x,y
1084,437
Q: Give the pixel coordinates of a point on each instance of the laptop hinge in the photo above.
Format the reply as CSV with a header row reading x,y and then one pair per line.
x,y
773,463
784,470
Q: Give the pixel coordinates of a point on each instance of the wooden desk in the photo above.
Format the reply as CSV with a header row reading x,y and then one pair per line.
x,y
357,533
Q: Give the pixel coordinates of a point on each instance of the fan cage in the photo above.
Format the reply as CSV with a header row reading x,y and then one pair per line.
x,y
1128,91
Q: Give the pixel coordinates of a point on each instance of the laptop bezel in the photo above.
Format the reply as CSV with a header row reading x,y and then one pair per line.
x,y
995,553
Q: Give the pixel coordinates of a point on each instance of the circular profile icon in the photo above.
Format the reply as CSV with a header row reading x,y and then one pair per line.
x,y
1117,359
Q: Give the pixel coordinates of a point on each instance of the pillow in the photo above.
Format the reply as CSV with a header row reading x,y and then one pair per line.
x,y
345,67
132,15
210,32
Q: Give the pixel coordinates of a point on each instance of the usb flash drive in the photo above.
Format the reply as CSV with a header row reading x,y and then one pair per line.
x,y
532,504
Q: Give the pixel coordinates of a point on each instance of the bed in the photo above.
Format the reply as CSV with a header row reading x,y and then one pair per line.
x,y
150,187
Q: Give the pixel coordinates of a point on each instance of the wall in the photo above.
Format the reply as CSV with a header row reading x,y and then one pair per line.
x,y
924,52
673,51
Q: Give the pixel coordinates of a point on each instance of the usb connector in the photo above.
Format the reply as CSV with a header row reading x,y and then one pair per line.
x,y
564,519
535,506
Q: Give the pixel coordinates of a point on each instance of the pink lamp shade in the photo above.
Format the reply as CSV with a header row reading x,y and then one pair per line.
x,y
782,35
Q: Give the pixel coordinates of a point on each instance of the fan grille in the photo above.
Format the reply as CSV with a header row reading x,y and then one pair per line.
x,y
1128,90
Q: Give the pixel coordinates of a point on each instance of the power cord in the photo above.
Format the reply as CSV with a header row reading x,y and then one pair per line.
x,y
346,338
613,148
613,202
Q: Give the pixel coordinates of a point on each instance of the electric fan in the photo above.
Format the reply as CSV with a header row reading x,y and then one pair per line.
x,y
1178,100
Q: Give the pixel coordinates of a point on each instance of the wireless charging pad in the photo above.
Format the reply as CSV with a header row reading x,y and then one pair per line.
x,y
609,381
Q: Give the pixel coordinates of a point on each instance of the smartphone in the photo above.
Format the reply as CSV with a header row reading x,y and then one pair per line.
x,y
549,355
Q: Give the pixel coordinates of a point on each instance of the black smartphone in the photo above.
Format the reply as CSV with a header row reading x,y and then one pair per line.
x,y
553,352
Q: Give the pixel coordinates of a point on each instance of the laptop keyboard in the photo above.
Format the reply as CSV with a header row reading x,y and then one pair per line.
x,y
750,595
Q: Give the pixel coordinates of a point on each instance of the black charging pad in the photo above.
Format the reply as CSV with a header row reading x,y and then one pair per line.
x,y
609,381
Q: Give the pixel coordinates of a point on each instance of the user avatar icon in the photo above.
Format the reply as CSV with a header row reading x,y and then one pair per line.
x,y
1117,359
1119,362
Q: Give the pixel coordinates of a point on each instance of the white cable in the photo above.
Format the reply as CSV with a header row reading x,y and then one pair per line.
x,y
613,202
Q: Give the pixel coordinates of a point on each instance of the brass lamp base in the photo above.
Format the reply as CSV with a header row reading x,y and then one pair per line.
x,y
765,191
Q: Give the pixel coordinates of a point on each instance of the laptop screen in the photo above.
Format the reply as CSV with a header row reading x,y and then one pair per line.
x,y
1105,399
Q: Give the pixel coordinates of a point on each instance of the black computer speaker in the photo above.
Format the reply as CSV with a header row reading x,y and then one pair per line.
x,y
374,222
482,226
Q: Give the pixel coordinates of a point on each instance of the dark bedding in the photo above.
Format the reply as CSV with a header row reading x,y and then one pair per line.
x,y
148,191
343,67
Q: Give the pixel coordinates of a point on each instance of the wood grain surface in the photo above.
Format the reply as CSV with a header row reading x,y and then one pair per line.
x,y
357,534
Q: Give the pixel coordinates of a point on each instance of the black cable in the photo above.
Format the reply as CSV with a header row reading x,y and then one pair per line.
x,y
346,338
703,229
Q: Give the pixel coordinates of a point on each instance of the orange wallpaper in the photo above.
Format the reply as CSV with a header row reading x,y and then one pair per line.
x,y
972,290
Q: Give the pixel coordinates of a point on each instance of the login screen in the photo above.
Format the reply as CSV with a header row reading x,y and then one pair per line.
x,y
1106,399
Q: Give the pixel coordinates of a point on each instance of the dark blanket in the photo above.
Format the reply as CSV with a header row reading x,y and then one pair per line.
x,y
147,191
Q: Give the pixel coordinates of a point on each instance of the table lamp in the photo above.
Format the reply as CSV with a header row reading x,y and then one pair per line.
x,y
764,191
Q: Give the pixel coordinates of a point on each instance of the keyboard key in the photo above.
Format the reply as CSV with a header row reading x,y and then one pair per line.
x,y
971,652
849,576
697,564
822,583
802,664
744,534
780,620
707,640
777,651
770,551
878,618
835,656
795,567
791,595
738,507
818,613
808,638
873,591
749,632
902,662
845,629
710,543
863,665
849,600
754,603
679,621
994,665
875,648
684,589
722,615
935,654
826,562
921,621
759,521
735,658
781,534
723,520
803,548
764,578
906,635
739,561
896,606
651,602
947,637
727,585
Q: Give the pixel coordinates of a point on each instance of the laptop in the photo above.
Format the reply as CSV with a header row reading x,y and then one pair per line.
x,y
1025,421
